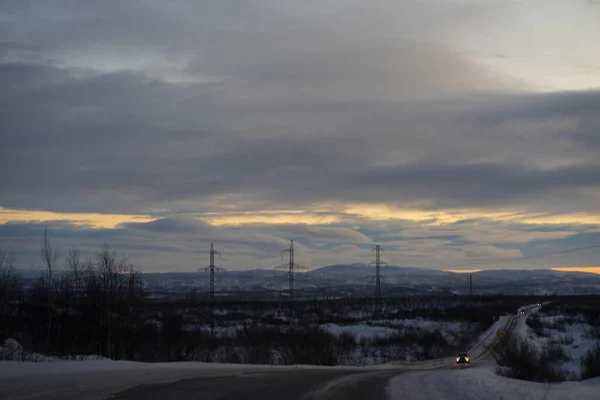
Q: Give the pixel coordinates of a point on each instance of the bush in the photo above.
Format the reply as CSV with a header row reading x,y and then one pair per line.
x,y
590,365
534,322
559,324
518,359
347,341
567,339
593,333
553,354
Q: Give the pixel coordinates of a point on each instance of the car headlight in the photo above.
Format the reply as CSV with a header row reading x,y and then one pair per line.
x,y
457,359
467,358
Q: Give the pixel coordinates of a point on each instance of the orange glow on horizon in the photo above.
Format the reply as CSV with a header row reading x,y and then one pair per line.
x,y
593,270
94,220
463,271
324,214
274,217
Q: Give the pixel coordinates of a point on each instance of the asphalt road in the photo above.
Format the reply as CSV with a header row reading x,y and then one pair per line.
x,y
62,381
277,385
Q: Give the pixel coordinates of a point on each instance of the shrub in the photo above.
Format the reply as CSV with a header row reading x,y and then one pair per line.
x,y
553,354
518,359
590,364
534,322
347,341
567,339
559,324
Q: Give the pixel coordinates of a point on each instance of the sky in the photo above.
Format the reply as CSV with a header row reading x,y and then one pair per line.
x,y
456,134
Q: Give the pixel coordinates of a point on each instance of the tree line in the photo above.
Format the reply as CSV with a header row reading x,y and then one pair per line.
x,y
96,304
91,306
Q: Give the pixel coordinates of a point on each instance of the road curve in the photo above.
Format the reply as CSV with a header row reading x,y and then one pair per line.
x,y
189,381
301,385
126,380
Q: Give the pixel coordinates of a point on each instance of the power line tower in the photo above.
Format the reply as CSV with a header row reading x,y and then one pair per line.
x,y
470,285
212,268
291,268
378,263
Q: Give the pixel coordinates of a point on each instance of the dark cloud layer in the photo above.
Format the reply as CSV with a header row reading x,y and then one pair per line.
x,y
182,244
119,142
196,107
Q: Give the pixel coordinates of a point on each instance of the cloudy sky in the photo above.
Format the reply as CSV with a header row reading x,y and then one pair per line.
x,y
457,134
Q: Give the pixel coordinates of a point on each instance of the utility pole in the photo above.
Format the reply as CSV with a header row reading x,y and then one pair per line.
x,y
470,284
291,267
378,263
212,268
193,295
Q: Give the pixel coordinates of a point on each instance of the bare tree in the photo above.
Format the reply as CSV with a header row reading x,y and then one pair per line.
x,y
69,296
74,273
113,278
8,286
7,262
49,256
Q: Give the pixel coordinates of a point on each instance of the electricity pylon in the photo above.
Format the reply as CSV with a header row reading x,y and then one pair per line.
x,y
212,268
378,263
291,268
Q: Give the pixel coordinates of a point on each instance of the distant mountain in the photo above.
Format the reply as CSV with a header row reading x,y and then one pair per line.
x,y
358,280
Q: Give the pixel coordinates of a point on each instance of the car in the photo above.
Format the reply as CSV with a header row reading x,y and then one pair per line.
x,y
462,358
521,312
539,304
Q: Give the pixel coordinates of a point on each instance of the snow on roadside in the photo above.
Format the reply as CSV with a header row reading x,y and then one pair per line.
x,y
11,370
13,351
359,330
382,328
572,337
481,382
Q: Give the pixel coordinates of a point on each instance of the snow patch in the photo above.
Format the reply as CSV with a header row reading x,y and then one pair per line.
x,y
476,383
13,351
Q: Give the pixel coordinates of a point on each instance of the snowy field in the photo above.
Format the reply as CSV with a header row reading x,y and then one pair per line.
x,y
476,382
382,328
571,334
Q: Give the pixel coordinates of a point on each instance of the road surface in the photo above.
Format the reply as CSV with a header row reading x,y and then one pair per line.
x,y
243,383
305,385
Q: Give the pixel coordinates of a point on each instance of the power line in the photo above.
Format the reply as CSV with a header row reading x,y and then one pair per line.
x,y
515,259
561,252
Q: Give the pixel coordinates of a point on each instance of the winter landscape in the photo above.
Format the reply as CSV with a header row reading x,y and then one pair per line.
x,y
104,322
300,200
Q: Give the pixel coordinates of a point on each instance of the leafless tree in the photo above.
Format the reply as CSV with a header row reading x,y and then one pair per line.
x,y
74,274
8,284
112,270
49,257
7,262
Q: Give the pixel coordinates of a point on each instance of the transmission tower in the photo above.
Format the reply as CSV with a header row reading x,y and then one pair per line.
x,y
470,285
378,263
212,268
291,268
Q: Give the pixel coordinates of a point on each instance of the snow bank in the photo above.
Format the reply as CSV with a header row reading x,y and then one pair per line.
x,y
476,383
13,351
572,337
383,328
359,330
